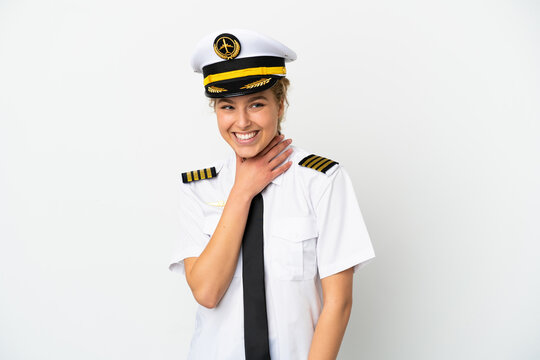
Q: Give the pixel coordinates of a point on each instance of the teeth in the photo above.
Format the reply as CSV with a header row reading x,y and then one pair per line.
x,y
246,136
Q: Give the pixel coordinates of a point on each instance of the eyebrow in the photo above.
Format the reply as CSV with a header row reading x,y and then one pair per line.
x,y
227,100
257,98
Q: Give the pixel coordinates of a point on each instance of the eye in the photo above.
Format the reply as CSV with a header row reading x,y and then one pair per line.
x,y
256,105
226,107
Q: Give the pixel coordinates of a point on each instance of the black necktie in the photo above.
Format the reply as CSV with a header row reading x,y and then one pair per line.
x,y
255,320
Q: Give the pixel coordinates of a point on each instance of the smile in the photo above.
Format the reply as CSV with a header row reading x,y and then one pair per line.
x,y
245,137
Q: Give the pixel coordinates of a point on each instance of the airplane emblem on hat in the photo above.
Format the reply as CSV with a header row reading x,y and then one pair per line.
x,y
223,42
225,45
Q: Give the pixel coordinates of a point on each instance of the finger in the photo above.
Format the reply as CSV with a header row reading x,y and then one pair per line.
x,y
281,169
272,143
280,158
277,149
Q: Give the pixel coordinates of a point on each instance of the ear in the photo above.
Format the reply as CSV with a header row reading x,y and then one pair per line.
x,y
281,108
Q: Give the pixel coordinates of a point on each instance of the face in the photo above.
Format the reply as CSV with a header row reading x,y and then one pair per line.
x,y
248,123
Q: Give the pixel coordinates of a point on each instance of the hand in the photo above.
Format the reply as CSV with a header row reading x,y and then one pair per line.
x,y
254,174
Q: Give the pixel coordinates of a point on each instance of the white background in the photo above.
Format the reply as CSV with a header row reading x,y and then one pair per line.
x,y
431,106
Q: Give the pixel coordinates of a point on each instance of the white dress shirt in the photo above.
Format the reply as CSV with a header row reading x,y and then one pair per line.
x,y
313,228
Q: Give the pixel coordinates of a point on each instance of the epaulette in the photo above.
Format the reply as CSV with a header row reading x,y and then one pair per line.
x,y
195,175
318,163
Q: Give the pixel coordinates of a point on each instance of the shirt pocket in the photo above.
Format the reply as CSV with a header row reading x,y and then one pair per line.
x,y
209,226
293,241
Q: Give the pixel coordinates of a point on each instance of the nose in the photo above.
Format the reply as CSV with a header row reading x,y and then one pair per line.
x,y
243,121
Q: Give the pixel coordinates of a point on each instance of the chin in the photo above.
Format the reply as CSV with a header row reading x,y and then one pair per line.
x,y
246,153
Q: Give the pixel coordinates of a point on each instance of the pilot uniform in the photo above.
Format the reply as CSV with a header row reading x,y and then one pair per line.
x,y
311,223
313,228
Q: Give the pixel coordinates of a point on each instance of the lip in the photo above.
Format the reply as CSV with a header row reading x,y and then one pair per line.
x,y
248,141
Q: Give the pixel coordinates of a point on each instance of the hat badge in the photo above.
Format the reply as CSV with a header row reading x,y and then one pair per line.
x,y
227,46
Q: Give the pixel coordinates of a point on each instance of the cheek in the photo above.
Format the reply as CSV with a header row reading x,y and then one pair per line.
x,y
268,117
223,124
272,120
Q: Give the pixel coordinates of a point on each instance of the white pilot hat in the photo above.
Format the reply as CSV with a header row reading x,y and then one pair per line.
x,y
239,62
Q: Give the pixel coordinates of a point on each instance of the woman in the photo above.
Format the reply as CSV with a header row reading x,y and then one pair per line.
x,y
272,234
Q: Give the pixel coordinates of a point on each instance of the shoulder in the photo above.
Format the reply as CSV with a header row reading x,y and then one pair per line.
x,y
315,171
199,174
206,172
202,184
203,181
314,164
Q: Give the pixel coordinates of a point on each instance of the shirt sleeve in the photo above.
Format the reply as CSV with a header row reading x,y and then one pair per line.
x,y
192,240
343,240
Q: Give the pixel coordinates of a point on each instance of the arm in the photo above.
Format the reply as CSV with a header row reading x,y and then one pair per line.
x,y
207,281
337,304
343,243
210,274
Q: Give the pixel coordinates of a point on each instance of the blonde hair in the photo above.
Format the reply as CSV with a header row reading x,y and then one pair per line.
x,y
279,89
280,93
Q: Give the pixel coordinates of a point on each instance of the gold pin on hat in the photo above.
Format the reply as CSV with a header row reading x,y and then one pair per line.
x,y
227,46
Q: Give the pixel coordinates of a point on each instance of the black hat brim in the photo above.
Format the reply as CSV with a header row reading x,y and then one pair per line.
x,y
240,86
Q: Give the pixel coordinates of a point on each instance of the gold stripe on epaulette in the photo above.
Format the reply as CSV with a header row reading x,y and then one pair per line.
x,y
196,175
318,163
311,160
